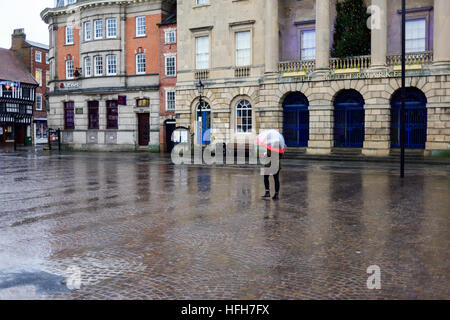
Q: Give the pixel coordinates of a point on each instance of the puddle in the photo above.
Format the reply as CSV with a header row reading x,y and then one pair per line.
x,y
43,282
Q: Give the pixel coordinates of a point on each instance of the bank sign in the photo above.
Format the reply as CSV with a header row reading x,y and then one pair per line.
x,y
69,85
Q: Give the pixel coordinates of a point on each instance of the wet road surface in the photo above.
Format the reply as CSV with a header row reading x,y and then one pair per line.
x,y
134,226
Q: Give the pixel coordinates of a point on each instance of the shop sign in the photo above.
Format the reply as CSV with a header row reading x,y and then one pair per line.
x,y
122,100
68,85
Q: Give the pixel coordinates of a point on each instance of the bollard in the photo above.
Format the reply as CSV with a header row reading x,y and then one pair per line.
x,y
59,140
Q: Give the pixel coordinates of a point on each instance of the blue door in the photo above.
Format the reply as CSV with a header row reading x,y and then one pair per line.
x,y
204,124
349,120
296,120
415,119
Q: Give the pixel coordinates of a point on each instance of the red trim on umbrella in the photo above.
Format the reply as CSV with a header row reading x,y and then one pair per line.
x,y
262,144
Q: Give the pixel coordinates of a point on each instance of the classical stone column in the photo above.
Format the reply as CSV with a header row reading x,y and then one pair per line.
x,y
441,28
379,33
323,28
271,36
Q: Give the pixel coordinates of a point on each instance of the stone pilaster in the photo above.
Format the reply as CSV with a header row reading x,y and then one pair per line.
x,y
377,130
323,29
53,50
442,26
321,124
123,58
379,35
438,124
271,36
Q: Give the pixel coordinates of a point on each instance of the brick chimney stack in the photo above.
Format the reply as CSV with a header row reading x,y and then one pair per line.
x,y
17,39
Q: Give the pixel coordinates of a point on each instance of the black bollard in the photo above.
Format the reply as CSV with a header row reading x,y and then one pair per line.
x,y
59,140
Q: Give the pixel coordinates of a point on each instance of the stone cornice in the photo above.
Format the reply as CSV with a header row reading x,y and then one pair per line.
x,y
70,9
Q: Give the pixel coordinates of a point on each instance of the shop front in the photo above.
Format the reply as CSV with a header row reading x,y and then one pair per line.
x,y
14,128
40,130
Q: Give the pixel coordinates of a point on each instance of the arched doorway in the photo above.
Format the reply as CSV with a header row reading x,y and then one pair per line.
x,y
349,119
170,126
296,120
415,119
203,123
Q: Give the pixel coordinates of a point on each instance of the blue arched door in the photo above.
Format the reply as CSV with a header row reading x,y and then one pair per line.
x,y
349,119
296,120
204,123
415,119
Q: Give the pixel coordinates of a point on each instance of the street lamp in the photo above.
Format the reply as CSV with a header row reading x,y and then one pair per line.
x,y
200,86
403,93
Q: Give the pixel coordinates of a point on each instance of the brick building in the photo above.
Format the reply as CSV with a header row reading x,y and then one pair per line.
x,y
167,80
104,58
35,56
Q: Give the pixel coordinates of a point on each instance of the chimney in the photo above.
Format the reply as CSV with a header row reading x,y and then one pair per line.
x,y
17,39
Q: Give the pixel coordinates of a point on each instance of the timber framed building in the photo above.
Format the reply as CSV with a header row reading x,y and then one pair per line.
x,y
17,97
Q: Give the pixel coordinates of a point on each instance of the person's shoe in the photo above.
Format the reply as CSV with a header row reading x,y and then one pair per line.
x,y
266,196
275,197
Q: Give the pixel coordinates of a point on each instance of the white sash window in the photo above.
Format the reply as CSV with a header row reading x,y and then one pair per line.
x,y
243,49
202,52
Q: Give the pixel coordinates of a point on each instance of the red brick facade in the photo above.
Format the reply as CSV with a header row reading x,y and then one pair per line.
x,y
27,51
166,82
147,44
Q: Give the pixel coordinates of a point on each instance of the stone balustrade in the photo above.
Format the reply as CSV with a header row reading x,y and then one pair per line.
x,y
242,72
360,62
294,66
424,58
202,74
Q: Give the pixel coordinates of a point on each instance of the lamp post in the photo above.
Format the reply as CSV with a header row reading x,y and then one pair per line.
x,y
200,86
403,93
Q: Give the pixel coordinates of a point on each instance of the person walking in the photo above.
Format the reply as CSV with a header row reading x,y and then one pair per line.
x,y
276,177
273,141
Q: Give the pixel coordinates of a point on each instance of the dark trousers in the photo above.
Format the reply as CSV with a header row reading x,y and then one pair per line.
x,y
276,178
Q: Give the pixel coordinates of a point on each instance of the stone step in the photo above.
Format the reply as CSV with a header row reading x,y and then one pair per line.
x,y
295,151
361,157
346,151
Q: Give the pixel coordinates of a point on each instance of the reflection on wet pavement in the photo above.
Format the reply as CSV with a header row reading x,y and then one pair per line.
x,y
138,227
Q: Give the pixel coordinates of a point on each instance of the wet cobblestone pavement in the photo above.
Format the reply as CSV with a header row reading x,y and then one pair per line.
x,y
138,227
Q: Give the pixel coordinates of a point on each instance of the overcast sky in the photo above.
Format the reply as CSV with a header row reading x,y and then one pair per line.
x,y
15,14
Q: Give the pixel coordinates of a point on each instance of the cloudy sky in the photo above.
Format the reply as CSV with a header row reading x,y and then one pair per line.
x,y
15,14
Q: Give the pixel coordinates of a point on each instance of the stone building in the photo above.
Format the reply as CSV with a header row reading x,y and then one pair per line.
x,y
104,88
35,57
267,64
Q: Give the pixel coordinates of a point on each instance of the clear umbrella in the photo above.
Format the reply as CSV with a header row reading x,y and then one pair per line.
x,y
272,140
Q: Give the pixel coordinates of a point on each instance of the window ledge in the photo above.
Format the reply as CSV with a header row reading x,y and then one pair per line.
x,y
201,5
